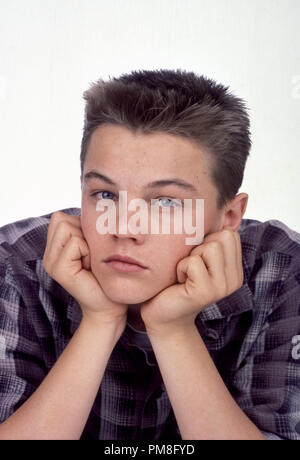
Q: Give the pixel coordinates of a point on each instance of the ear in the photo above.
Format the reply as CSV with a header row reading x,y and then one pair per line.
x,y
234,212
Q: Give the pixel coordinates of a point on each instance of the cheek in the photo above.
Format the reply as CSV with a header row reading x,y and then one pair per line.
x,y
168,254
88,226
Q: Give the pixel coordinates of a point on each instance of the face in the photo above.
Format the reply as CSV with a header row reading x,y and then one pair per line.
x,y
131,162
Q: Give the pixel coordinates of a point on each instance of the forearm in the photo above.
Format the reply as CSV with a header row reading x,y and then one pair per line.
x,y
59,408
203,406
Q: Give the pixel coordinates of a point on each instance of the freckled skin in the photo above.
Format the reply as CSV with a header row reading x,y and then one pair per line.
x,y
132,161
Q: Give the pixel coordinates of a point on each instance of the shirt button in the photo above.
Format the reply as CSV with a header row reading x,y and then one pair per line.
x,y
212,334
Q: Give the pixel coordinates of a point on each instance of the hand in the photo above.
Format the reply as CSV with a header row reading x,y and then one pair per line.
x,y
212,271
67,260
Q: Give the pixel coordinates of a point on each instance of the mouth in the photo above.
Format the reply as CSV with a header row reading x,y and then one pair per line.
x,y
124,264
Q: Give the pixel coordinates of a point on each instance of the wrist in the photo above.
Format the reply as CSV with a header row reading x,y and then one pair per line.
x,y
100,324
171,329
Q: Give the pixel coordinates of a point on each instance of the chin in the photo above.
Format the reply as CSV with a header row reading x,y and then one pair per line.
x,y
130,289
124,298
125,291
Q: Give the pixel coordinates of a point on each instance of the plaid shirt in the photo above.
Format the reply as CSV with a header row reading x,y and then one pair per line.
x,y
253,337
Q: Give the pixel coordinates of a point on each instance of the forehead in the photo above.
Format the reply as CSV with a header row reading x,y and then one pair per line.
x,y
118,148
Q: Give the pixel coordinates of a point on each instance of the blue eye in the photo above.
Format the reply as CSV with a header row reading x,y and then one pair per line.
x,y
96,194
165,201
170,201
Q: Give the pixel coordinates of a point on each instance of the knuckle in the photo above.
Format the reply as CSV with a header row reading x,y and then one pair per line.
x,y
56,216
194,259
214,245
66,228
62,224
227,233
60,219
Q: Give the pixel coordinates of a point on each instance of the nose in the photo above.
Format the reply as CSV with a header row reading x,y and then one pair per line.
x,y
130,227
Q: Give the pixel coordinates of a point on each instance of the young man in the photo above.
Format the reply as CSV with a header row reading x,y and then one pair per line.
x,y
185,342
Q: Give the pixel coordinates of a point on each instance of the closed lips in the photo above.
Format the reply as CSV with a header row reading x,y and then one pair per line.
x,y
126,259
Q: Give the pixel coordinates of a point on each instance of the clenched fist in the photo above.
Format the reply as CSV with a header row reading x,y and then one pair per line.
x,y
213,270
67,261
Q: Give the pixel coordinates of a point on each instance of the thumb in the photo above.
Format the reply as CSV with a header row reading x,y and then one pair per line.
x,y
86,262
182,270
86,257
192,268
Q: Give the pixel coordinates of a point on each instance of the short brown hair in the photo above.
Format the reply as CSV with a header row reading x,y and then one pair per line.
x,y
179,103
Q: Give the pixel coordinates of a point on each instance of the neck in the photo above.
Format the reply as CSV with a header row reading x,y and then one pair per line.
x,y
134,317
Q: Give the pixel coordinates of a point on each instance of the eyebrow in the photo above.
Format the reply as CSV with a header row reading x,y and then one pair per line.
x,y
155,184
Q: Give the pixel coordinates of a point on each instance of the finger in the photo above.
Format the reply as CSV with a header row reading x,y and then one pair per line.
x,y
62,234
233,268
239,255
213,258
58,217
86,262
229,243
192,268
70,260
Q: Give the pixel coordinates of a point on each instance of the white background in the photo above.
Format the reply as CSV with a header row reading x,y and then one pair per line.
x,y
50,50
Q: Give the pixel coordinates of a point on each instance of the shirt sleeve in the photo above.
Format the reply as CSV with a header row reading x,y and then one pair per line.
x,y
21,364
267,383
171,430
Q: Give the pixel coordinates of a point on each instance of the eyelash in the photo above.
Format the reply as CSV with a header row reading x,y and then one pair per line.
x,y
94,194
177,201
